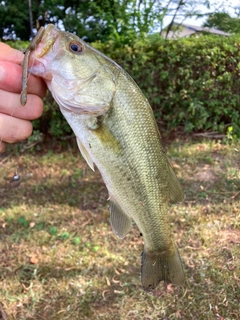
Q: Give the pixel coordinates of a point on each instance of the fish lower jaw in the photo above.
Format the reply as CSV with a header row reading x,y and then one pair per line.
x,y
38,69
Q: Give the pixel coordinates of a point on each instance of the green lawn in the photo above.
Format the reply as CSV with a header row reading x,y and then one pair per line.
x,y
60,259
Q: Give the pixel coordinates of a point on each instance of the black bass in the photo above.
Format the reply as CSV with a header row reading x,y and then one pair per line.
x,y
116,131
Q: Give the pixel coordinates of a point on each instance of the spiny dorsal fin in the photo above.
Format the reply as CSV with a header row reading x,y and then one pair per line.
x,y
120,222
85,154
175,189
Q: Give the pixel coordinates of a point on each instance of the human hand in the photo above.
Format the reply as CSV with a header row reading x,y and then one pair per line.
x,y
15,119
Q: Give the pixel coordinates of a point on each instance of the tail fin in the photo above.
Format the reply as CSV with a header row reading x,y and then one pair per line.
x,y
161,266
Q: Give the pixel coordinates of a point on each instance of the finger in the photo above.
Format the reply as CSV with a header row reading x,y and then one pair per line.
x,y
2,146
10,105
9,54
14,129
11,80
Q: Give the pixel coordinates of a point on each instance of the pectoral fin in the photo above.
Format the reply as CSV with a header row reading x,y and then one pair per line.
x,y
175,189
120,222
85,154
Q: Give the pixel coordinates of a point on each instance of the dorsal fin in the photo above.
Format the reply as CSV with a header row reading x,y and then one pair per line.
x,y
120,222
85,154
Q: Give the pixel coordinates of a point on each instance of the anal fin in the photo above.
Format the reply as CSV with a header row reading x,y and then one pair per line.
x,y
85,154
120,222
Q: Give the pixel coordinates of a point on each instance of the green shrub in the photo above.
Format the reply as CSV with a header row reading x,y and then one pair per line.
x,y
190,82
17,44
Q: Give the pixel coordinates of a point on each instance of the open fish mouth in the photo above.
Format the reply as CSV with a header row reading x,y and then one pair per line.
x,y
36,50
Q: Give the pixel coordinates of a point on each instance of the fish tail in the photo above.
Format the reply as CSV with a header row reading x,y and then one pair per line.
x,y
166,266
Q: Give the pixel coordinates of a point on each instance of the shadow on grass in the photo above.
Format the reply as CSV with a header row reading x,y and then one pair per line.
x,y
82,194
214,191
203,186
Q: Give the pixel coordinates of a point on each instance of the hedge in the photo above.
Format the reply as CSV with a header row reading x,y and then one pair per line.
x,y
191,82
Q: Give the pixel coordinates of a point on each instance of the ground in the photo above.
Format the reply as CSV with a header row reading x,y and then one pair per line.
x,y
61,260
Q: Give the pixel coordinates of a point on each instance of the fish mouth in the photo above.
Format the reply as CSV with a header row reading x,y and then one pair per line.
x,y
44,53
39,69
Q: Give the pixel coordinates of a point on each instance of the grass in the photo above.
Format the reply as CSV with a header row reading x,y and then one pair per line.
x,y
60,259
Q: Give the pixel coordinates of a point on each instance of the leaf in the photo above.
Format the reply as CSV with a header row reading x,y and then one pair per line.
x,y
34,259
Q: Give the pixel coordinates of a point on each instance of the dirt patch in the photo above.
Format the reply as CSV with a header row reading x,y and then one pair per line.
x,y
229,236
206,173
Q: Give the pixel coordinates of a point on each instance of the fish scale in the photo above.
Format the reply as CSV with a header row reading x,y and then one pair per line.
x,y
116,131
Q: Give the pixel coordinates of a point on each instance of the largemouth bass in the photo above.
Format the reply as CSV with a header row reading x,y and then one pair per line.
x,y
116,131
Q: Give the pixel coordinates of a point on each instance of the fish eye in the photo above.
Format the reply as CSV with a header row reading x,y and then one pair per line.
x,y
75,47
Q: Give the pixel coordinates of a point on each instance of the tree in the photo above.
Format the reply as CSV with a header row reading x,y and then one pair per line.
x,y
181,9
122,20
14,19
93,20
223,21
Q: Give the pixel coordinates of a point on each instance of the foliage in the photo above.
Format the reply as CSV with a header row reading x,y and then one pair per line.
x,y
60,259
192,82
104,20
14,19
18,44
223,21
94,20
